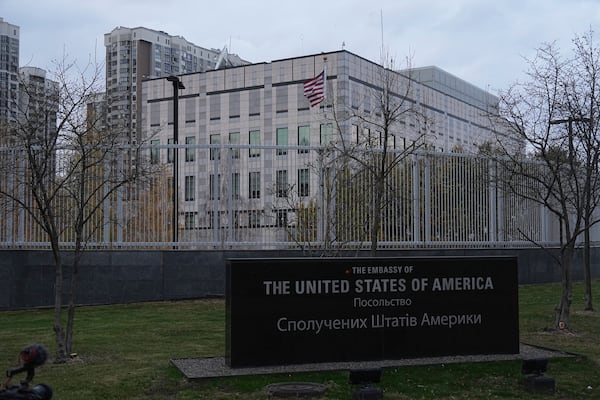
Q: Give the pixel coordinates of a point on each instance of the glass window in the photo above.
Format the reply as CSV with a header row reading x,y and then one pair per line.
x,y
235,185
214,187
234,138
190,152
234,105
190,220
215,152
155,114
215,107
190,187
254,218
326,134
354,134
281,218
190,110
154,151
170,152
368,140
254,102
254,140
282,140
281,183
303,182
303,138
281,99
254,185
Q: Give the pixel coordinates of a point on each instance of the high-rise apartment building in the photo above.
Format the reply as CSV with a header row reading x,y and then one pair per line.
x,y
27,96
32,125
96,111
9,70
136,54
38,101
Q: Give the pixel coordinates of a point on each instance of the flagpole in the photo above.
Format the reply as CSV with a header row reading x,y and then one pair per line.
x,y
322,224
325,85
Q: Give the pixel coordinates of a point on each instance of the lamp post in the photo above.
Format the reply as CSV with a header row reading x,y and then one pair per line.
x,y
177,84
569,121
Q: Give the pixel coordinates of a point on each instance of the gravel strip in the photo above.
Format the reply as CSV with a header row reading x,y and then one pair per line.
x,y
213,367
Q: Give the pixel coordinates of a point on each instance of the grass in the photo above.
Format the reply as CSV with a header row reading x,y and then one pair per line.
x,y
124,351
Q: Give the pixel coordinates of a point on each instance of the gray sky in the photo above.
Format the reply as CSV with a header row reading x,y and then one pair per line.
x,y
481,41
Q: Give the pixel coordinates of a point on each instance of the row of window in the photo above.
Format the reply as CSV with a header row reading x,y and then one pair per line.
x,y
281,189
281,139
247,219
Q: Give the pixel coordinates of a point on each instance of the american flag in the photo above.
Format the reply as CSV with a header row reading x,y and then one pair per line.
x,y
314,89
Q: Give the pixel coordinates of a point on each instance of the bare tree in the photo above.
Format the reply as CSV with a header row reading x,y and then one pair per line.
x,y
312,223
541,112
582,101
62,174
387,128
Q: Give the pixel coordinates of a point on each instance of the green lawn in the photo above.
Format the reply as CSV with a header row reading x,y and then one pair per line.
x,y
124,351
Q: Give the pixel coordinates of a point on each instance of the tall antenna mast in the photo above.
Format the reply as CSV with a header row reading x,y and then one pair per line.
x,y
382,48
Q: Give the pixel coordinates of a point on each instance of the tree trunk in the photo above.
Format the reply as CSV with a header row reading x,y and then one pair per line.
x,y
71,306
563,308
587,274
59,333
376,212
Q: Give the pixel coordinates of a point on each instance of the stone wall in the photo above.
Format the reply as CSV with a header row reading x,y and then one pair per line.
x,y
127,276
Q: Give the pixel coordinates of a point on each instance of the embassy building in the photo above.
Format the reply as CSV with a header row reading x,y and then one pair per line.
x,y
259,116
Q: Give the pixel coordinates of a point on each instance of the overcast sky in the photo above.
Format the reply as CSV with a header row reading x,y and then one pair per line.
x,y
480,41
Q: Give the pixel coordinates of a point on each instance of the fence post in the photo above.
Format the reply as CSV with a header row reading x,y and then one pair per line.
x,y
493,214
10,185
120,219
216,194
320,199
230,211
427,195
545,223
416,199
21,188
106,204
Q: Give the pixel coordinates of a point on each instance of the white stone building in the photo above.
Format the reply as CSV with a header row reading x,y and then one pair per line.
x,y
263,104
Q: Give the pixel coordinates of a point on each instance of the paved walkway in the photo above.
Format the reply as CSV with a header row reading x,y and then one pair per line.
x,y
200,368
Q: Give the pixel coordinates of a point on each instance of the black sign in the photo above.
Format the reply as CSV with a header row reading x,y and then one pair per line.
x,y
309,310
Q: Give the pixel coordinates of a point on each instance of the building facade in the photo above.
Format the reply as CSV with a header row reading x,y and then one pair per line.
x,y
269,96
136,54
27,96
9,70
38,100
234,115
33,128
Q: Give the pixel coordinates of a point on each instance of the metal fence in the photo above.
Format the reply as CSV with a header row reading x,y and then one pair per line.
x,y
274,197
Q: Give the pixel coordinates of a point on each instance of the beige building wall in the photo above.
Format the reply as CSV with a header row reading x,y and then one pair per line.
x,y
266,97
